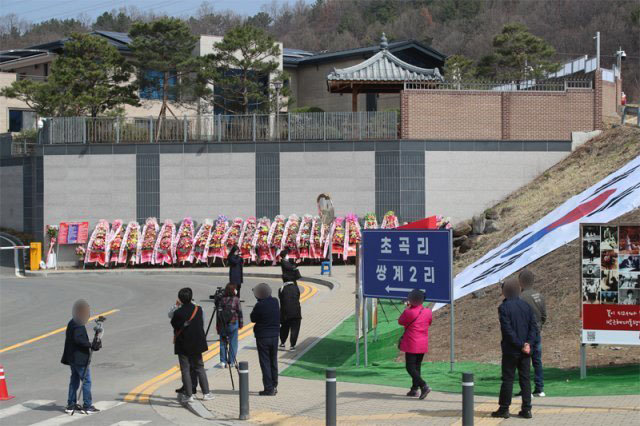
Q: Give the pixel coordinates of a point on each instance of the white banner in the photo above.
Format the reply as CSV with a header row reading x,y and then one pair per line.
x,y
610,198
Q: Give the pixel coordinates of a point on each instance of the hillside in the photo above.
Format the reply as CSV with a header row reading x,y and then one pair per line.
x,y
557,274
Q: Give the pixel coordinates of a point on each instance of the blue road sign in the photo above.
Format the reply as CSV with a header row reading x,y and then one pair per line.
x,y
396,262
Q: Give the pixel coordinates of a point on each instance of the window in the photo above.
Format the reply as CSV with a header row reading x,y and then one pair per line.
x,y
20,120
151,85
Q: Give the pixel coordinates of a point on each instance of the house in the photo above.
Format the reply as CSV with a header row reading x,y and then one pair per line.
x,y
35,62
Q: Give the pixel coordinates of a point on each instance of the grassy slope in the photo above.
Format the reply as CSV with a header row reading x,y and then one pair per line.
x,y
557,273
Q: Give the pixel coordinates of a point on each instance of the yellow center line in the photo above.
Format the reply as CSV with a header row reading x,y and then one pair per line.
x,y
143,392
51,333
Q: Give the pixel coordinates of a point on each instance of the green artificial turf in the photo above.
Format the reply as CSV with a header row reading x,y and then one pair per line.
x,y
338,350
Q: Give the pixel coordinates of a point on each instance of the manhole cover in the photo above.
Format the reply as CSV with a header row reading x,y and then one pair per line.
x,y
114,365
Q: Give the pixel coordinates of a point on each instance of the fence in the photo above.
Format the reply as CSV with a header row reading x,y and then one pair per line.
x,y
222,128
529,85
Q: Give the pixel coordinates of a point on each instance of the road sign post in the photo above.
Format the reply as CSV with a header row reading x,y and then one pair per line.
x,y
394,262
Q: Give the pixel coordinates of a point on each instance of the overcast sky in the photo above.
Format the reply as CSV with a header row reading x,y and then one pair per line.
x,y
40,10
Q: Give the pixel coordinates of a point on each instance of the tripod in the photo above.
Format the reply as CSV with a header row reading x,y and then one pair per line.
x,y
225,343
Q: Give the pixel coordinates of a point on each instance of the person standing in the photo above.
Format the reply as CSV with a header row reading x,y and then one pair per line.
x,y
519,332
290,313
266,316
536,302
235,268
189,344
290,272
414,342
228,323
77,347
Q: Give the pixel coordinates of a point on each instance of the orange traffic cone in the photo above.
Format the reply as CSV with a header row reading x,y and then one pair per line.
x,y
4,393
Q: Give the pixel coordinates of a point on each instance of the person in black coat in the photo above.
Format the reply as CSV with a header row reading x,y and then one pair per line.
x,y
189,343
290,271
290,313
266,316
77,347
519,333
235,268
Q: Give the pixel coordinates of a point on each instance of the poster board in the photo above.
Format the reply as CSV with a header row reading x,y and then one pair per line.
x,y
610,283
73,233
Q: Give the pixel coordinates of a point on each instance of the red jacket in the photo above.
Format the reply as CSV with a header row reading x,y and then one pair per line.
x,y
416,321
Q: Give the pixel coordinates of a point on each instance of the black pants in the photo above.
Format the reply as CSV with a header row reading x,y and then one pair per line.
x,y
414,363
511,362
268,356
293,325
190,364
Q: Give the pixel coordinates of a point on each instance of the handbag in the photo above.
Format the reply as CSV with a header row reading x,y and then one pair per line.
x,y
407,327
186,324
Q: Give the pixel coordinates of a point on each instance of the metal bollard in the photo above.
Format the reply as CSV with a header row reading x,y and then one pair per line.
x,y
244,389
331,397
467,399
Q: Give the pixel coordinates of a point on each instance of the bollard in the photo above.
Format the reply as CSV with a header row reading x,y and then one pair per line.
x,y
243,372
467,399
331,397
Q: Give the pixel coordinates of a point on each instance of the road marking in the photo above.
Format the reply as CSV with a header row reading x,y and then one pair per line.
x,y
143,392
51,333
24,407
132,423
66,418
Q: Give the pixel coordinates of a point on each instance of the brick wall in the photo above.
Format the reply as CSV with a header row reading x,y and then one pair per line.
x,y
476,115
609,99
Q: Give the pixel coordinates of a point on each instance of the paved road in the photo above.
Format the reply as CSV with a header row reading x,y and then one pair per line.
x,y
137,341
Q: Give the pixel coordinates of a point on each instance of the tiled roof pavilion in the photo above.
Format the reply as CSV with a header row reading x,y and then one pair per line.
x,y
381,73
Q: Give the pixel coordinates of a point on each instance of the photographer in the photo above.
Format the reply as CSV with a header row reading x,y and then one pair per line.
x,y
189,344
76,355
235,268
266,316
229,322
290,272
290,313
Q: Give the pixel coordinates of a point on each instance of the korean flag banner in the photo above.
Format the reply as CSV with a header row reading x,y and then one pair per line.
x,y
610,198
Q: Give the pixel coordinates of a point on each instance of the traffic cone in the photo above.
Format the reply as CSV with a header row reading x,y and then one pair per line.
x,y
4,393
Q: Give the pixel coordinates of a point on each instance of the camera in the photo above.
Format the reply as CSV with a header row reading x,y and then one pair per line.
x,y
217,296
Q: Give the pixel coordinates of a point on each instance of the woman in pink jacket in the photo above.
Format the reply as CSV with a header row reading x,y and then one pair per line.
x,y
416,320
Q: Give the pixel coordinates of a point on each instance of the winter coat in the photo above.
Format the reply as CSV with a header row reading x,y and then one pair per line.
x,y
288,271
289,296
266,315
416,321
76,345
536,301
235,268
517,324
191,340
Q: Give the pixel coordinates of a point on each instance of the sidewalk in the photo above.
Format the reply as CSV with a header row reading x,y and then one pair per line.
x,y
301,402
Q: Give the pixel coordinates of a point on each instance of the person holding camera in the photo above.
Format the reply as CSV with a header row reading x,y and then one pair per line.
x,y
77,350
290,272
189,343
235,268
266,316
290,313
414,342
229,322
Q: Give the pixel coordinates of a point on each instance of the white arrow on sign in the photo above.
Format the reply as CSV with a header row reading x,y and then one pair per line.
x,y
390,289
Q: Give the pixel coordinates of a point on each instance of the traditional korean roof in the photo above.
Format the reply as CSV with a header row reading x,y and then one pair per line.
x,y
384,66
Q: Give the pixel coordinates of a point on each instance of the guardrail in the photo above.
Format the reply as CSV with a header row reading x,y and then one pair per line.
x,y
529,85
222,128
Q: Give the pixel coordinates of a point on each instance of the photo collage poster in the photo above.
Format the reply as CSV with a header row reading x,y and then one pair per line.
x,y
611,264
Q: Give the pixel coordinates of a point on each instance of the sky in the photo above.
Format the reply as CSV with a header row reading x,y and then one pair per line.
x,y
40,10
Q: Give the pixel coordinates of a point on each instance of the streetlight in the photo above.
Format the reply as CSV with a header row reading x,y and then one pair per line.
x,y
277,85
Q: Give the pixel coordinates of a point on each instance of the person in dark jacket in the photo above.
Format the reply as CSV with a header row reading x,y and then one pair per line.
x,y
77,348
290,313
519,332
189,343
290,271
266,316
229,321
235,268
536,301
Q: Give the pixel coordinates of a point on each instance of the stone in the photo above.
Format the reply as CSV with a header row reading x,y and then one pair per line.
x,y
465,246
491,226
491,214
462,228
478,224
457,242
